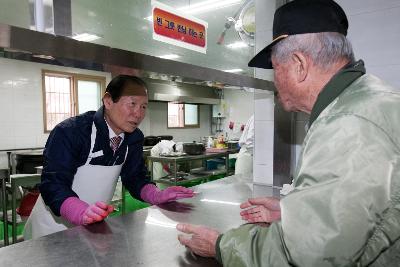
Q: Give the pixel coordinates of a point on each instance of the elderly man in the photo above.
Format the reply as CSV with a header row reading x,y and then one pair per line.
x,y
85,155
345,207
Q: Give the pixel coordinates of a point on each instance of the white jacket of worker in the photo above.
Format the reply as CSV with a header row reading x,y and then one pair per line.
x,y
163,147
244,160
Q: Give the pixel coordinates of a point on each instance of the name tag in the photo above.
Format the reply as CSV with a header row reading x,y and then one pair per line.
x,y
96,154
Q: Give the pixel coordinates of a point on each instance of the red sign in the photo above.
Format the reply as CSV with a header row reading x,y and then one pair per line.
x,y
178,30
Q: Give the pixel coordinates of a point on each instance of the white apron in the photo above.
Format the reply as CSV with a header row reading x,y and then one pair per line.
x,y
91,183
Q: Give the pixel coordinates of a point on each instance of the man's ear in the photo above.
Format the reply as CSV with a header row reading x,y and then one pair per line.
x,y
302,65
107,100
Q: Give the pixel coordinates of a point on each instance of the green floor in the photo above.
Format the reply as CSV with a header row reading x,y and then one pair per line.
x,y
131,204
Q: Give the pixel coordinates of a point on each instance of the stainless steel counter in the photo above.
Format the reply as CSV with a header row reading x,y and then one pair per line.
x,y
144,238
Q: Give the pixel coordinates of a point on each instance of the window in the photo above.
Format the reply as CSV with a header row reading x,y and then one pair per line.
x,y
67,94
183,115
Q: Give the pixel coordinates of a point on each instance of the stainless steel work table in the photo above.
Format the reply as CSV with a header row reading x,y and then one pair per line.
x,y
144,238
174,160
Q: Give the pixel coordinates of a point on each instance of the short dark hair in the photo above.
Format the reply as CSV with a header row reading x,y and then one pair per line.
x,y
116,86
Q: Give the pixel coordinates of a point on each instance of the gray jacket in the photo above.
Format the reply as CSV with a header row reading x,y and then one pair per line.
x,y
345,209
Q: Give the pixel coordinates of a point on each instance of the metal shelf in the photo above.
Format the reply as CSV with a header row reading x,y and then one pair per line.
x,y
192,177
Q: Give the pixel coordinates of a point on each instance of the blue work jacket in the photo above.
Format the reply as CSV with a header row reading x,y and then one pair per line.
x,y
67,148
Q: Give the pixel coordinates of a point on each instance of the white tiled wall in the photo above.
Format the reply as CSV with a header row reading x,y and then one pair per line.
x,y
374,31
264,100
264,137
21,104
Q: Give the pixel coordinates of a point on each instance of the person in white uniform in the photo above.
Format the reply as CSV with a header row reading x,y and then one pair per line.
x,y
85,155
244,160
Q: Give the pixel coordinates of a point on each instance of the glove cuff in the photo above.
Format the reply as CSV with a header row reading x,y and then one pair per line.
x,y
149,194
72,209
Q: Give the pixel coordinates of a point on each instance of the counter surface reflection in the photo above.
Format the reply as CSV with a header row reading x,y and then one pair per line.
x,y
144,238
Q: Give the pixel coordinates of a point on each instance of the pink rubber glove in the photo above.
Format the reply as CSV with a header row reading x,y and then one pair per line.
x,y
151,194
79,212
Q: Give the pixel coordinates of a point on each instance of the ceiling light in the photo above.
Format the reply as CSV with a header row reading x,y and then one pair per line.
x,y
208,5
237,45
203,7
234,70
86,37
170,56
153,221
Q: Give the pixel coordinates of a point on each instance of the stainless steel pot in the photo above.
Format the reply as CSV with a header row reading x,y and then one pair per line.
x,y
151,140
193,148
166,137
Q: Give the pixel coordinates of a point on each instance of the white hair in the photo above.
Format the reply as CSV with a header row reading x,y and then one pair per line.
x,y
324,48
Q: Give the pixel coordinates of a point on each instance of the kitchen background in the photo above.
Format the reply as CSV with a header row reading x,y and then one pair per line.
x,y
21,109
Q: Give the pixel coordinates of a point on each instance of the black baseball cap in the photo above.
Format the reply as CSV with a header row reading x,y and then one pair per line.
x,y
302,16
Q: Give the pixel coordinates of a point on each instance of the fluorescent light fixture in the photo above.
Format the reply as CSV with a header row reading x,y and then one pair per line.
x,y
43,56
219,202
86,37
155,222
234,70
237,45
207,6
170,56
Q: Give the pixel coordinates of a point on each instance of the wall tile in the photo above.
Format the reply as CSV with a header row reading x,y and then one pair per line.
x,y
264,106
24,141
21,113
264,14
263,38
7,142
366,31
28,129
6,104
264,139
41,139
7,130
263,174
355,7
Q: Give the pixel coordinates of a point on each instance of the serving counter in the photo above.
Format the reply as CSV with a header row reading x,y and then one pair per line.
x,y
144,238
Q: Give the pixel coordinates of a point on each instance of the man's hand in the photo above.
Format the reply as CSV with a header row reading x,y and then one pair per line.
x,y
262,209
174,193
79,212
96,212
203,239
151,194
